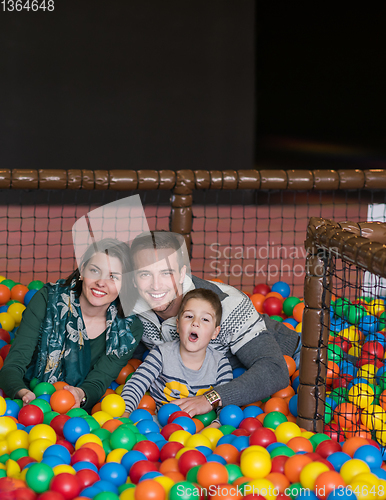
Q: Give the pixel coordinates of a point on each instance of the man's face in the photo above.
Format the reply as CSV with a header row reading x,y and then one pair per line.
x,y
159,279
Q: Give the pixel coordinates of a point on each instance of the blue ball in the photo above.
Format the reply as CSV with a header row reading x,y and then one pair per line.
x,y
231,415
238,371
156,437
292,322
28,296
140,414
368,324
159,443
272,446
186,423
204,450
150,475
337,459
227,439
146,426
241,442
52,460
252,411
338,324
84,465
131,457
369,454
305,493
381,473
295,384
293,405
281,287
113,385
104,485
59,451
12,409
91,491
114,473
216,458
3,309
74,428
165,411
46,397
342,493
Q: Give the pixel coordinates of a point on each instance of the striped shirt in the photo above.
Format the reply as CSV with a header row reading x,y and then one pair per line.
x,y
167,378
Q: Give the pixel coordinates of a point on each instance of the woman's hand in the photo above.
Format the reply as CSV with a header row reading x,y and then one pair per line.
x,y
195,405
26,396
77,392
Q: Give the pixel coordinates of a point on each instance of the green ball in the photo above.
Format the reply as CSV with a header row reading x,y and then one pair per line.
x,y
18,453
124,487
340,395
282,451
125,420
106,445
354,313
140,437
294,490
334,353
3,473
289,304
382,321
4,457
317,439
35,285
93,424
50,415
382,381
129,376
106,495
226,429
184,490
102,433
234,472
42,404
192,474
123,437
39,476
19,402
8,283
339,305
206,418
273,419
43,388
10,302
276,318
77,412
34,382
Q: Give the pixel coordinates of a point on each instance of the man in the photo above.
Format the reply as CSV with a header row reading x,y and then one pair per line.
x,y
161,277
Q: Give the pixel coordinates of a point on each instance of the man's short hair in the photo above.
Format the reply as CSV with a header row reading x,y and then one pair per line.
x,y
208,296
159,240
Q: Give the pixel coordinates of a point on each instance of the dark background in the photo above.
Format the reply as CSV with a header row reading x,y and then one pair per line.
x,y
219,84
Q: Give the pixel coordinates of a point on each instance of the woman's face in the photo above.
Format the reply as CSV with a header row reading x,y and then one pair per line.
x,y
102,280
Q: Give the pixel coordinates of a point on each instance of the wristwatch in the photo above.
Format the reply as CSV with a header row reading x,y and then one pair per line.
x,y
83,401
213,397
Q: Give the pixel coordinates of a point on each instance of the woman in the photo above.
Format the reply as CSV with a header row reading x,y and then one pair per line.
x,y
75,330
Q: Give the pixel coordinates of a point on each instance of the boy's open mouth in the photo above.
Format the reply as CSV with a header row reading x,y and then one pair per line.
x,y
193,337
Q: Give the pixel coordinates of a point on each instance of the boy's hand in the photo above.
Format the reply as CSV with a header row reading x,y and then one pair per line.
x,y
26,396
195,405
77,392
126,415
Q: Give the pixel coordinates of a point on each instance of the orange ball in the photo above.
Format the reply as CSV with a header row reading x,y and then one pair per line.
x,y
291,365
358,430
352,444
229,452
176,476
212,473
18,292
169,465
300,443
96,407
199,424
327,482
124,373
134,362
62,401
149,490
257,300
111,425
346,415
59,385
275,294
280,481
1,362
382,400
297,312
225,492
98,450
276,404
284,393
147,403
332,372
5,294
294,466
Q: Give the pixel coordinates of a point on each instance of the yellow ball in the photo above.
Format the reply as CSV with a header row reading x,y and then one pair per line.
x,y
42,431
213,435
4,447
7,425
374,417
286,431
88,438
180,436
298,327
376,307
2,278
101,417
307,434
114,405
116,455
367,372
59,469
351,333
166,482
310,473
128,494
17,439
7,322
198,440
369,477
255,464
361,395
38,447
12,468
355,350
363,490
16,311
381,437
352,468
255,447
119,389
262,487
3,406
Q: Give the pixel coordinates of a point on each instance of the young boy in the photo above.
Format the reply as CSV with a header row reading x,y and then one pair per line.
x,y
188,366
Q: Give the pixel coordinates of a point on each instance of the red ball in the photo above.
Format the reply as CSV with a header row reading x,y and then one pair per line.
x,y
190,459
273,306
262,288
250,424
66,444
149,449
342,381
262,437
240,432
23,461
30,415
66,484
168,430
366,359
4,335
374,348
178,414
57,423
51,495
87,477
4,351
85,455
334,432
170,450
278,463
326,448
138,469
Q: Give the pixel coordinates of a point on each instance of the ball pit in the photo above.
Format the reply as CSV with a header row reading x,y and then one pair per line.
x,y
49,451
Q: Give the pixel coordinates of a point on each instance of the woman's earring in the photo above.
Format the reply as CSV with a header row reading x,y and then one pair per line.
x,y
80,278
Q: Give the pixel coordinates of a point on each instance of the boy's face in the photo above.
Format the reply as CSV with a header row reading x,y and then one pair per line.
x,y
197,325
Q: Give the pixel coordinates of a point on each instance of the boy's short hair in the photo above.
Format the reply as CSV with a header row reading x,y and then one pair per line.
x,y
208,296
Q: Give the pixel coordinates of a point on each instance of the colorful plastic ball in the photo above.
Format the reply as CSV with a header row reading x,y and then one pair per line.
x,y
262,288
281,287
186,423
18,292
5,294
231,415
337,459
28,296
131,457
42,404
238,371
16,311
114,405
369,454
58,451
352,468
57,423
297,312
35,285
123,437
252,411
148,426
273,306
212,473
113,473
140,414
165,411
74,428
62,401
190,459
38,477
66,484
6,321
138,469
43,388
274,419
12,409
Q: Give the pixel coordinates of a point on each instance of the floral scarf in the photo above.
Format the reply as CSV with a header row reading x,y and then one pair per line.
x,y
64,347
